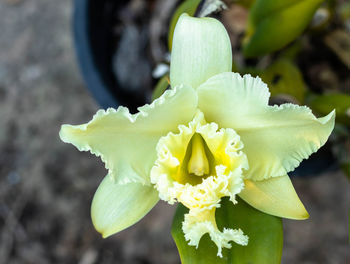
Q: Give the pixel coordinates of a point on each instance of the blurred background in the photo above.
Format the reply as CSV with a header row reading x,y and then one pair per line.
x,y
46,186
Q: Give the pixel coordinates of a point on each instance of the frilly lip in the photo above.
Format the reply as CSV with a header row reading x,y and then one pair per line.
x,y
207,195
198,223
201,195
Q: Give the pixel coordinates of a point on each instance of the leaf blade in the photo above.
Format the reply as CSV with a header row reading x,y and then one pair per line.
x,y
265,233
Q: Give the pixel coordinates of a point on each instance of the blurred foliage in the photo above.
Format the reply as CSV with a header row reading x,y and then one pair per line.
x,y
244,3
339,42
272,24
341,147
160,87
321,19
323,104
265,236
344,11
285,79
346,168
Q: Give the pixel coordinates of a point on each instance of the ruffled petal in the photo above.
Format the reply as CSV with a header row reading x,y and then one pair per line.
x,y
276,138
127,143
207,194
275,196
197,223
201,49
116,207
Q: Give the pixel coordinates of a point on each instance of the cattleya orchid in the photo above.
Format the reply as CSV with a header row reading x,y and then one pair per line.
x,y
211,135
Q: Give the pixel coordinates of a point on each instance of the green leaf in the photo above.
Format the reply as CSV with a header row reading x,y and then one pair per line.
x,y
284,78
189,7
265,233
244,3
265,236
338,101
272,24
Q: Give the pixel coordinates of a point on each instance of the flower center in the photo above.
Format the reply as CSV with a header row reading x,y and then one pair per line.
x,y
198,163
194,163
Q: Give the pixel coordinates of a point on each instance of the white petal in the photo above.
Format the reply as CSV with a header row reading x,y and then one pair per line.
x,y
201,49
276,138
127,143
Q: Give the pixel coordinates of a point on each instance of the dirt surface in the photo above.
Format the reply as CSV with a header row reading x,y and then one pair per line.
x,y
46,186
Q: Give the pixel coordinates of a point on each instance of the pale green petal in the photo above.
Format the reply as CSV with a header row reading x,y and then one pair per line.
x,y
127,143
118,206
201,49
276,138
275,196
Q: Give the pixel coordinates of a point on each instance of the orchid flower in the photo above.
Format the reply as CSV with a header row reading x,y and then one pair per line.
x,y
211,135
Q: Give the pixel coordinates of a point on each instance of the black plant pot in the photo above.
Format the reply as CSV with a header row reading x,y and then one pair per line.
x,y
93,39
93,22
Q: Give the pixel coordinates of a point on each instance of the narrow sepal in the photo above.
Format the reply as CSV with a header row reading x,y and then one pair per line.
x,y
275,196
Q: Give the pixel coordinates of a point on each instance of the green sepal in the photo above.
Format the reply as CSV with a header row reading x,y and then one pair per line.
x,y
338,101
265,236
189,7
272,24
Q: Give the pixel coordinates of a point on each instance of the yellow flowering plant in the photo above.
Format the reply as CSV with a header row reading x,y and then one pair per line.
x,y
212,135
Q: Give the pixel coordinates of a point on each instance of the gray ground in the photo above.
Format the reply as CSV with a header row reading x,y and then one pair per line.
x,y
46,186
